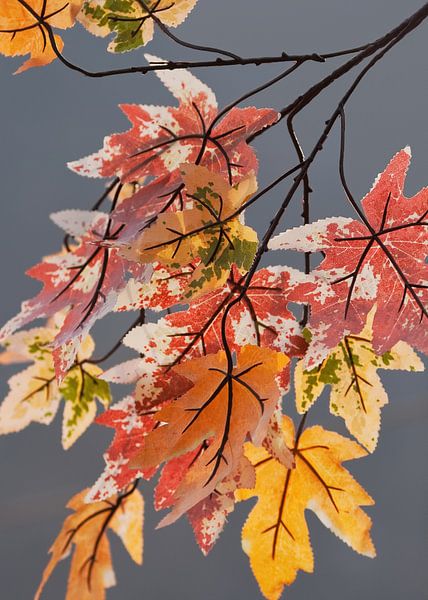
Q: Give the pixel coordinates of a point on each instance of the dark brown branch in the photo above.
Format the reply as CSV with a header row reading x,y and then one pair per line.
x,y
363,52
177,40
390,40
233,60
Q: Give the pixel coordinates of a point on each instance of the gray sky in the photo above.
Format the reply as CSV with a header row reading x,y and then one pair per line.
x,y
49,116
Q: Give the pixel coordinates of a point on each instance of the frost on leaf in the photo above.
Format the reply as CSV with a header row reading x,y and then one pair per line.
x,y
357,394
382,262
275,535
22,33
84,535
131,21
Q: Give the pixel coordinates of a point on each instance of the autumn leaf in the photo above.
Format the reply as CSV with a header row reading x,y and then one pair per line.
x,y
382,262
26,28
85,282
211,232
35,394
131,20
141,207
207,518
260,318
164,137
357,394
222,409
131,425
132,419
164,344
275,535
84,533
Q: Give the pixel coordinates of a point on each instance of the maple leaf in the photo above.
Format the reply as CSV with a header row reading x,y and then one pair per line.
x,y
379,261
131,425
25,28
222,408
85,532
212,231
35,394
86,281
357,394
132,419
275,535
162,138
209,516
131,20
260,318
161,346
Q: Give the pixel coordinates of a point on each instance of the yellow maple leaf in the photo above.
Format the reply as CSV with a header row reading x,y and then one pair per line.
x,y
91,569
25,28
357,394
210,233
275,535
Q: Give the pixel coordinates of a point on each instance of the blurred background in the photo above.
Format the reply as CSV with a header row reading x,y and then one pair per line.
x,y
52,115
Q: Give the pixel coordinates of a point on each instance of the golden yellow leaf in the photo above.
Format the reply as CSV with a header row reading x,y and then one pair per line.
x,y
357,394
85,534
24,28
275,535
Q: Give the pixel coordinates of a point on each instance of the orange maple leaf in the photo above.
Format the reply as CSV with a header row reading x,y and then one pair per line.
x,y
91,570
25,28
222,409
275,535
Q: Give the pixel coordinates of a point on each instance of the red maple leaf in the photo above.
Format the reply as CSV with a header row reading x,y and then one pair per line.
x,y
163,137
132,420
381,260
131,425
261,317
207,518
86,281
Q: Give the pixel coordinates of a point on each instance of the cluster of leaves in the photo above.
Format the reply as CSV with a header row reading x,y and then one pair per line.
x,y
206,412
27,26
